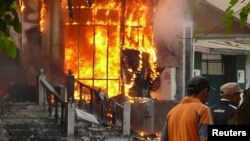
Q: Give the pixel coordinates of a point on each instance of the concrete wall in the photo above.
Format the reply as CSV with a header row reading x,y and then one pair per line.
x,y
150,117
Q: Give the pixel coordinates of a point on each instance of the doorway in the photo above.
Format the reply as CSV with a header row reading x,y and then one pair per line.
x,y
213,68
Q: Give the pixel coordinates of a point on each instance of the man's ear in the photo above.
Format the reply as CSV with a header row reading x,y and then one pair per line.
x,y
207,90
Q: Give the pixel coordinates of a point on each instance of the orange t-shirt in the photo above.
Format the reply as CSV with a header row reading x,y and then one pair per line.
x,y
188,121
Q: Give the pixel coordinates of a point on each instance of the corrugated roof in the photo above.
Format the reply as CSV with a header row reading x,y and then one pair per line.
x,y
223,47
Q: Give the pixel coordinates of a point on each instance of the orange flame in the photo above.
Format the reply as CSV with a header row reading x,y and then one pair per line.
x,y
92,45
42,13
22,6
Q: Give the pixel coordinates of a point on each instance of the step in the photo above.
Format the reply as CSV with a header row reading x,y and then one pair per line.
x,y
26,113
29,121
36,128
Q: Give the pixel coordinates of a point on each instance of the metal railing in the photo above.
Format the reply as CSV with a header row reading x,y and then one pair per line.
x,y
98,94
92,93
68,105
45,90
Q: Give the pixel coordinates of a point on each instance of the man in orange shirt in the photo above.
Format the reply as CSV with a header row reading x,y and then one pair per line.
x,y
189,120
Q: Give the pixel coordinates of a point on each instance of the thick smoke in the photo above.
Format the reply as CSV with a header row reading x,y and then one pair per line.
x,y
168,23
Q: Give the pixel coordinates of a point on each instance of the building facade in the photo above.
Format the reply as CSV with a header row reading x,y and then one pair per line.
x,y
219,56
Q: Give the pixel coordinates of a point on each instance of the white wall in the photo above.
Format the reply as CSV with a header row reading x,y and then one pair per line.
x,y
247,71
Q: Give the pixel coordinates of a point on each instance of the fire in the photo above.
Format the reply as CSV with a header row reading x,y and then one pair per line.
x,y
42,13
93,41
22,6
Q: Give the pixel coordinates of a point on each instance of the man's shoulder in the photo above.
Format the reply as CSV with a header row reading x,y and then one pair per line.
x,y
214,106
221,103
219,106
222,107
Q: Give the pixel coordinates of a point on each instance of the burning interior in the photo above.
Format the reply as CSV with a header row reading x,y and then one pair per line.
x,y
106,39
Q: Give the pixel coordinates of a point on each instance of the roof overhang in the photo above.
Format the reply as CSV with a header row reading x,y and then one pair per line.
x,y
221,47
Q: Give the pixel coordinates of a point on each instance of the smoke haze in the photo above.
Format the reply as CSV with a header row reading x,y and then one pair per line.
x,y
168,22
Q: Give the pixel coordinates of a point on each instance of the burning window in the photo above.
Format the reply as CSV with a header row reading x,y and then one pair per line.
x,y
96,35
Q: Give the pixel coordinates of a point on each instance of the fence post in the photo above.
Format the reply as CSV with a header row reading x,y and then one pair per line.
x,y
126,117
70,85
41,88
70,118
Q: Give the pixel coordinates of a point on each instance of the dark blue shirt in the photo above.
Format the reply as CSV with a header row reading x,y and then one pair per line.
x,y
222,111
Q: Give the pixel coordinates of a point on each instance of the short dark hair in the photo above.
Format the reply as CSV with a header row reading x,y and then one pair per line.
x,y
196,84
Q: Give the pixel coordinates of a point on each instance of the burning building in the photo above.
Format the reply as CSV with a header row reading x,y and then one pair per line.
x,y
105,43
118,46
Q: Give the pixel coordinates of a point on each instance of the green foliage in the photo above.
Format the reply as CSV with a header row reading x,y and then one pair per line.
x,y
8,19
228,17
244,15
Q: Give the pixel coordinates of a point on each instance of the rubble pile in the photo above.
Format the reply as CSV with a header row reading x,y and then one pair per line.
x,y
89,131
28,121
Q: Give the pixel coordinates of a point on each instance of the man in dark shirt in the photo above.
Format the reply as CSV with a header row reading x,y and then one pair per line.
x,y
230,98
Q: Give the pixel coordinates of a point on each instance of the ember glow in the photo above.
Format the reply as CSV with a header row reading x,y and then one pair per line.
x,y
95,37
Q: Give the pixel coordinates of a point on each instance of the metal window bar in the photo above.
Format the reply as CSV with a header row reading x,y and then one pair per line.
x,y
212,67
